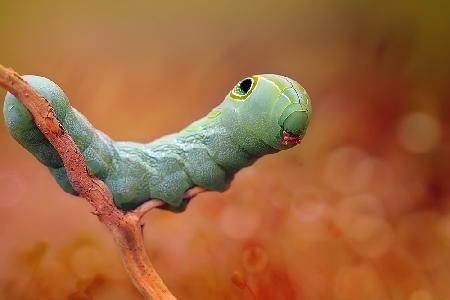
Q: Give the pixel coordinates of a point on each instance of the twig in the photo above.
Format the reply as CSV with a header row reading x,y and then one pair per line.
x,y
125,227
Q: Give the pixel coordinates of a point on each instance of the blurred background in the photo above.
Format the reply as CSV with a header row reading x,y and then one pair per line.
x,y
360,210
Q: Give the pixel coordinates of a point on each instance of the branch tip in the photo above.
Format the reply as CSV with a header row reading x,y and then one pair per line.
x,y
125,228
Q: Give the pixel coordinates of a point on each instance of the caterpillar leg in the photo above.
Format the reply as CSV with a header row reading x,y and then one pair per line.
x,y
97,148
191,193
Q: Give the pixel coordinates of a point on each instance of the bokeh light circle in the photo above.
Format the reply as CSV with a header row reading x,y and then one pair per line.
x,y
12,188
349,170
419,132
308,204
238,222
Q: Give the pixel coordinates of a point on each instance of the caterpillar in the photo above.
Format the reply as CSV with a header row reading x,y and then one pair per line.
x,y
262,114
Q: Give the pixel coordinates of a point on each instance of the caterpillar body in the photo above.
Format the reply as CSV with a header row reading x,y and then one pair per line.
x,y
262,114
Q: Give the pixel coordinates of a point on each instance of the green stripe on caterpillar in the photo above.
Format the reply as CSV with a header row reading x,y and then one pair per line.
x,y
262,114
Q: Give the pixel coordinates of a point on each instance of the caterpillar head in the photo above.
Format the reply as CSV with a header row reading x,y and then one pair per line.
x,y
268,112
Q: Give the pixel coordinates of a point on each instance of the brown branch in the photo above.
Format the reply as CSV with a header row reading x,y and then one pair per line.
x,y
125,227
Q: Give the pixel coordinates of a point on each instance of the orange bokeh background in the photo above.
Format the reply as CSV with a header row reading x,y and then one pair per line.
x,y
360,210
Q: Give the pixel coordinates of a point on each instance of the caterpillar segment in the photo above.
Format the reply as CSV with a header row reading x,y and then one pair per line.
x,y
262,114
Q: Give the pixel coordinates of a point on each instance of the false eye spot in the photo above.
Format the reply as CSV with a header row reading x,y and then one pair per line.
x,y
245,85
244,88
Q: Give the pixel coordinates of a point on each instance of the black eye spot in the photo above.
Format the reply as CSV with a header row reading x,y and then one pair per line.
x,y
245,85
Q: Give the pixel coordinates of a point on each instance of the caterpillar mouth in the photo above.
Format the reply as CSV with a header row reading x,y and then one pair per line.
x,y
290,138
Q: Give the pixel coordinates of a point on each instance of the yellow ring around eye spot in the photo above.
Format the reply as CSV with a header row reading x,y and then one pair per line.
x,y
238,97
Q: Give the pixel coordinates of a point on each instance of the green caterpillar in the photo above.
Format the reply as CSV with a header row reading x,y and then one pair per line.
x,y
262,114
